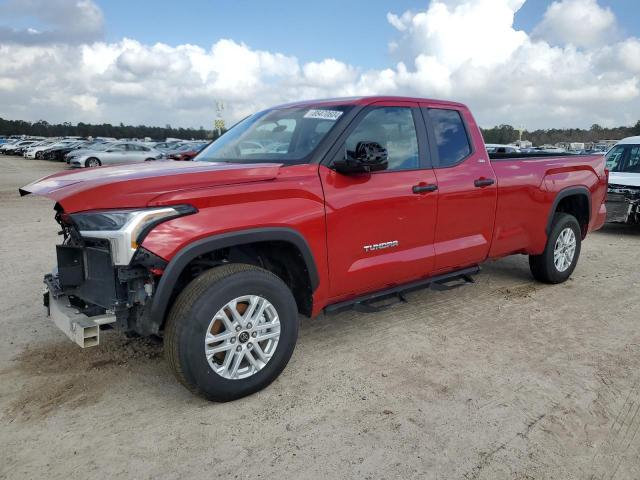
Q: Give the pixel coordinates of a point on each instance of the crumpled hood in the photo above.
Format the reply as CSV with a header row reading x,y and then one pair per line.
x,y
137,185
625,179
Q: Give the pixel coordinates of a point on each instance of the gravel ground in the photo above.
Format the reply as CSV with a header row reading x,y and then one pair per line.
x,y
506,378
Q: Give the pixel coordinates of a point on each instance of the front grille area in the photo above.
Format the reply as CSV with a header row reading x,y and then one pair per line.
x,y
87,273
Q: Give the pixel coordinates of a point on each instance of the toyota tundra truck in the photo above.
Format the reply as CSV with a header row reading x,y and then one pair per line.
x,y
300,209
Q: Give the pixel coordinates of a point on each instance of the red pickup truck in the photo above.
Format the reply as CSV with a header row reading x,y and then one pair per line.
x,y
298,209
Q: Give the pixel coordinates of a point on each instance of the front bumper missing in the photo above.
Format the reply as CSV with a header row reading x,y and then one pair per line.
x,y
83,330
623,204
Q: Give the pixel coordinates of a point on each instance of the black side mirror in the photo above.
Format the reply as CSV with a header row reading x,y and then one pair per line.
x,y
367,157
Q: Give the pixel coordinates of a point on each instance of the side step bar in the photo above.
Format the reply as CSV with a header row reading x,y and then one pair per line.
x,y
438,282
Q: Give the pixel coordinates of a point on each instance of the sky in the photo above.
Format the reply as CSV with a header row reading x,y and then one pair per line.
x,y
537,63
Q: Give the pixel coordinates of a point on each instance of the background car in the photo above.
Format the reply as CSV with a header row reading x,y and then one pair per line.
x,y
187,152
80,150
134,152
35,150
58,150
499,148
14,148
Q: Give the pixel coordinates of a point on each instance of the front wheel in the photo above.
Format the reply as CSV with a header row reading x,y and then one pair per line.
x,y
231,332
560,256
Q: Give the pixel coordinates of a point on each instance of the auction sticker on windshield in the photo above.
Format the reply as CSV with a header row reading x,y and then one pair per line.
x,y
323,114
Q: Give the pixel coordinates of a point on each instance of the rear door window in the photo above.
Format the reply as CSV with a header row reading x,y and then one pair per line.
x,y
451,136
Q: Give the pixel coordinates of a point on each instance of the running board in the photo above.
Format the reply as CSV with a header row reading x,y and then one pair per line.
x,y
446,281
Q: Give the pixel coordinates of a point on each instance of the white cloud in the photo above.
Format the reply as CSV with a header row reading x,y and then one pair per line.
x,y
582,23
628,53
466,50
479,32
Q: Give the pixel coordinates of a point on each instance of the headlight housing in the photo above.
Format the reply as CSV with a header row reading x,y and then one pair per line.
x,y
125,229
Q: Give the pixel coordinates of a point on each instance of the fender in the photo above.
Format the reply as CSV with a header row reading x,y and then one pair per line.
x,y
215,242
567,192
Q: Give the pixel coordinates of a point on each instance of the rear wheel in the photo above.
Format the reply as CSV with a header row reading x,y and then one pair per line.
x,y
231,332
560,256
92,162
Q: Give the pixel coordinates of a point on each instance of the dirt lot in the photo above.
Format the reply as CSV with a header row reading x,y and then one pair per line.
x,y
503,379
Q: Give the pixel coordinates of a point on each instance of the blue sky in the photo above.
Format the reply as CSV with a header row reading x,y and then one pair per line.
x,y
356,32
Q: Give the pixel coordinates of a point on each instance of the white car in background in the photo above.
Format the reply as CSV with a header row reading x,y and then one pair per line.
x,y
623,196
124,152
35,150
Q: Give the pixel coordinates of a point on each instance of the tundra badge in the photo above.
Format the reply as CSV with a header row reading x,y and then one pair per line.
x,y
380,246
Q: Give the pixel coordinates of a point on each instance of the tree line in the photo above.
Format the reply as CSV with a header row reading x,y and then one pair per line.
x,y
508,134
497,134
42,128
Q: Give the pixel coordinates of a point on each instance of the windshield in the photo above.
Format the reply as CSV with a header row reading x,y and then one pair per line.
x,y
624,158
278,135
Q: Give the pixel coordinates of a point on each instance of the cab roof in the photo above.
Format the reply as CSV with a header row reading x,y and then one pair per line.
x,y
366,101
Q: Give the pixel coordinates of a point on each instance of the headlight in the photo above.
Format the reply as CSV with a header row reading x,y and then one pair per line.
x,y
125,229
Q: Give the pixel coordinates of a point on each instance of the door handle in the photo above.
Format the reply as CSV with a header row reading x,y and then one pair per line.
x,y
483,182
432,187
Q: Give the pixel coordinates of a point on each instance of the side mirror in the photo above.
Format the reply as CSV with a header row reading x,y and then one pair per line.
x,y
367,157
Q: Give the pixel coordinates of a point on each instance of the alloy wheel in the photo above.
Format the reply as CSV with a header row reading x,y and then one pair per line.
x,y
242,337
565,249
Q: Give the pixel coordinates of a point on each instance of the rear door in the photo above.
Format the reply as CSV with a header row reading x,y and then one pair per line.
x,y
380,226
467,190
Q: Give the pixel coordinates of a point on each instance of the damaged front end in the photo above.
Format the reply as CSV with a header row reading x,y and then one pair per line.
x,y
103,277
623,204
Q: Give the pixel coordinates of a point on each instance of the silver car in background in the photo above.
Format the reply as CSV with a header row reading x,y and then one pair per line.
x,y
83,150
118,153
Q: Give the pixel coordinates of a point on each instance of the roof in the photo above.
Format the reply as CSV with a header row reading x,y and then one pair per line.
x,y
366,101
628,140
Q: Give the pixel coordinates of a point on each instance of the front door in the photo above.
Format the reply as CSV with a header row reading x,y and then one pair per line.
x,y
467,189
381,226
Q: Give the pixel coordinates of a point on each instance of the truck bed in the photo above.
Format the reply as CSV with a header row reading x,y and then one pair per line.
x,y
526,156
528,186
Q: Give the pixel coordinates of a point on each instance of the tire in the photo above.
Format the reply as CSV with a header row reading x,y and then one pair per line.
x,y
193,317
38,155
149,159
544,266
92,162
